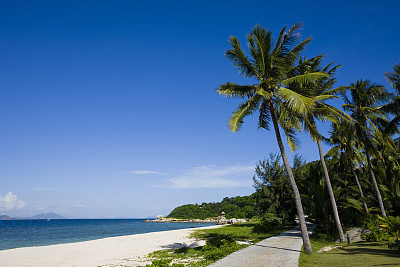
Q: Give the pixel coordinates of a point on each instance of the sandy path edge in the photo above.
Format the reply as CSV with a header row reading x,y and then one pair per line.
x,y
111,251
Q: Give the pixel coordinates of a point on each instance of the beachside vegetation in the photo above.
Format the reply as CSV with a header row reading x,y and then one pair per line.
x,y
220,242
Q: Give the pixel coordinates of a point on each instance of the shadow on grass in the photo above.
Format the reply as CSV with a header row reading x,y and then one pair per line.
x,y
361,248
177,245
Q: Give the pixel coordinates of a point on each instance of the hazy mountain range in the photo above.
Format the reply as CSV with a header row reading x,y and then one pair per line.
x,y
41,216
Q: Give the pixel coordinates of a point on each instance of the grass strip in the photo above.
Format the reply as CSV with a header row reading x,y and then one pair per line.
x,y
355,254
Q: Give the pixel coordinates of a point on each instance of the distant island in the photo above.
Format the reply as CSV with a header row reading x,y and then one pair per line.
x,y
6,217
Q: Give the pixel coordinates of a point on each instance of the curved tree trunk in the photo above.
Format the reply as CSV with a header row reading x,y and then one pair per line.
x,y
331,195
361,191
378,192
299,206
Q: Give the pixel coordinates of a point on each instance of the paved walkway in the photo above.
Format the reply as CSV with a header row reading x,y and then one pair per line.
x,y
282,250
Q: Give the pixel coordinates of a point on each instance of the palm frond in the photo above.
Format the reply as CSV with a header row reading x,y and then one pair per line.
x,y
292,55
305,78
394,77
233,90
245,109
325,97
260,45
337,112
239,59
297,103
291,38
336,91
393,126
333,152
292,141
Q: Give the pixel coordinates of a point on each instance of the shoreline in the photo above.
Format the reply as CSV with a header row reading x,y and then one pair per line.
x,y
32,233
125,250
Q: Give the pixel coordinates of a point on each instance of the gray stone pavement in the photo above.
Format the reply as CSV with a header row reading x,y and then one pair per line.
x,y
282,250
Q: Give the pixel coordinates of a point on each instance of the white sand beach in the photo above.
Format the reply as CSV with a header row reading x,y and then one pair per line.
x,y
112,251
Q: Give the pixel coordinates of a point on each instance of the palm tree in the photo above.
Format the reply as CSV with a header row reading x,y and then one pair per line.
x,y
365,97
347,149
273,68
387,161
321,90
393,106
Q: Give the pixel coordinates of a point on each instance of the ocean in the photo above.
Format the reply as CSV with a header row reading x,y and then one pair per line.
x,y
28,233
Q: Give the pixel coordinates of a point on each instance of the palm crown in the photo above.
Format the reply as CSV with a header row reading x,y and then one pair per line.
x,y
275,69
363,104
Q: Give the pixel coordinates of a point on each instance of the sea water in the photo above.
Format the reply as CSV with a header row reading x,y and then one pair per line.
x,y
28,233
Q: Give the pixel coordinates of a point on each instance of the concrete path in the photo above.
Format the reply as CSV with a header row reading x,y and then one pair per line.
x,y
282,250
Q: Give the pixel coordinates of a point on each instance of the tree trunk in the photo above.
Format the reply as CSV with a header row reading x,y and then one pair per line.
x,y
371,172
361,191
299,206
331,195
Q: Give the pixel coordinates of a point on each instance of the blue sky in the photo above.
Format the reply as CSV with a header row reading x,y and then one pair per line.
x,y
108,108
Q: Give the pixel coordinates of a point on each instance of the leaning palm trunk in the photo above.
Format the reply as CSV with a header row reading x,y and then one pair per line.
x,y
361,191
299,206
331,195
371,172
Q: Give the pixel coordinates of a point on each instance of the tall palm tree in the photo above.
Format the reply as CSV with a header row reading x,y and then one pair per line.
x,y
321,90
387,161
273,68
363,104
347,149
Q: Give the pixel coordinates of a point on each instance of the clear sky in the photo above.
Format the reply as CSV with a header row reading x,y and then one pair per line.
x,y
108,108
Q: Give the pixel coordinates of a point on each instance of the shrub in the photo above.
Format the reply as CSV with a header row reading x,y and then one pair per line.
x,y
325,232
375,231
391,226
220,246
268,222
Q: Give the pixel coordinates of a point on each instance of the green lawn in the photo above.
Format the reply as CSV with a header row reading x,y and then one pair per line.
x,y
355,254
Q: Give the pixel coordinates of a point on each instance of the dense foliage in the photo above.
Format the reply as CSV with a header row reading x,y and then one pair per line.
x,y
274,194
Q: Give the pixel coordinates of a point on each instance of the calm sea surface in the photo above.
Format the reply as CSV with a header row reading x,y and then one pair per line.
x,y
28,233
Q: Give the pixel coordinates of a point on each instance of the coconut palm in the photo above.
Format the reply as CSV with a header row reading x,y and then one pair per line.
x,y
273,68
387,161
393,106
347,149
321,90
363,104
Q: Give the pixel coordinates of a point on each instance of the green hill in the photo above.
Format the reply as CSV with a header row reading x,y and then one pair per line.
x,y
235,207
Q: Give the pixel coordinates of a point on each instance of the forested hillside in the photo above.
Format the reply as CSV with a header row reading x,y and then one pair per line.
x,y
235,207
